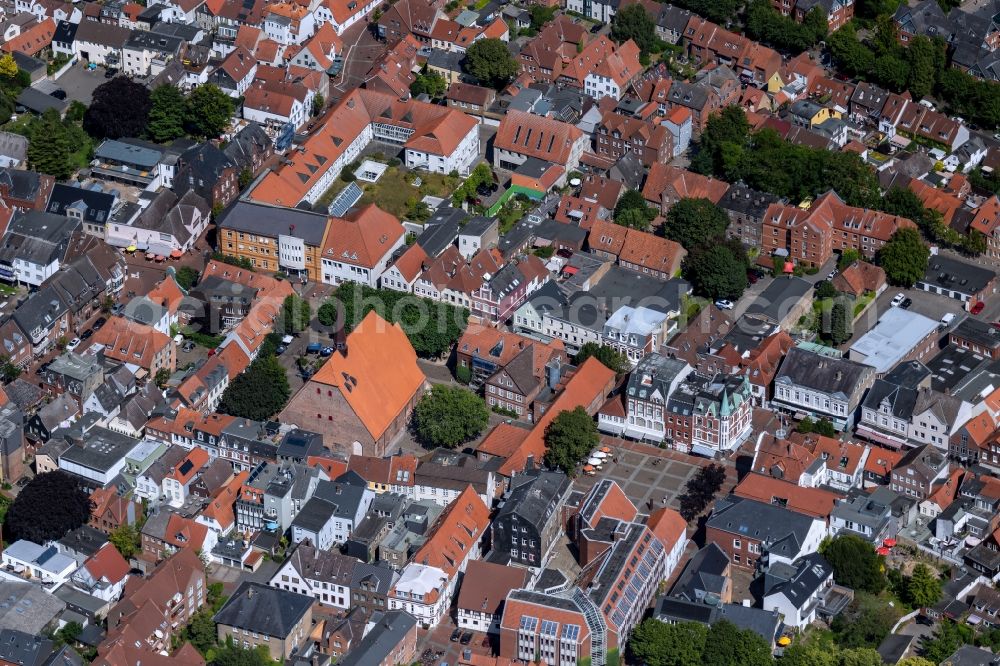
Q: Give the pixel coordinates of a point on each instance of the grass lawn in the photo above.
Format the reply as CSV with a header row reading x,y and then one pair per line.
x,y
394,192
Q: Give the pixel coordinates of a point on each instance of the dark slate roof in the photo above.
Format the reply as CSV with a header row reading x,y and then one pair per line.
x,y
38,102
901,399
21,184
742,199
767,523
823,373
956,275
798,581
382,577
299,444
536,497
96,204
18,647
774,303
440,231
266,610
388,631
909,374
704,572
978,331
270,221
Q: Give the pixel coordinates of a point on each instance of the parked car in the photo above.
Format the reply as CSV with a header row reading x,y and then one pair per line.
x,y
100,322
280,350
752,277
907,302
314,348
326,351
110,72
86,334
723,304
897,300
597,28
832,274
977,307
73,344
947,319
466,638
455,635
58,93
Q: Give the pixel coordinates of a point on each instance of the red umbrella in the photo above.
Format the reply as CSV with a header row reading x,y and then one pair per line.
x,y
882,550
789,267
176,254
889,543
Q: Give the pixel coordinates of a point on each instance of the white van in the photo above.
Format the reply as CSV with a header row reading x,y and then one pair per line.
x,y
947,319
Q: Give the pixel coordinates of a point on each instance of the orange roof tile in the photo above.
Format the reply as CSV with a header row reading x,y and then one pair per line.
x,y
455,533
131,342
882,461
191,465
503,440
377,391
411,263
363,238
667,525
107,564
810,501
587,388
333,467
547,139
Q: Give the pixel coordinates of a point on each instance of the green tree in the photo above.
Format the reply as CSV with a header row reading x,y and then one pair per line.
x,y
259,392
8,370
632,211
825,427
892,71
318,103
865,622
695,222
926,58
849,54
45,509
825,289
609,356
432,327
231,655
948,637
430,83
8,66
915,661
700,490
296,313
49,147
727,645
449,416
569,438
904,258
855,563
208,111
540,15
923,587
126,539
167,110
186,277
489,61
201,631
840,322
656,643
119,108
633,22
161,378
847,257
718,271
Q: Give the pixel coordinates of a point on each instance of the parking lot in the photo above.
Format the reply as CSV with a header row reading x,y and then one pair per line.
x,y
79,82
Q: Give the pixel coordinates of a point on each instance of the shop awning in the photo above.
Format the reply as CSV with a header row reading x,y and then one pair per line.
x,y
131,248
176,254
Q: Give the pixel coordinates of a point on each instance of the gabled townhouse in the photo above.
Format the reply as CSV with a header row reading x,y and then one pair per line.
x,y
331,514
917,472
34,246
110,510
235,73
127,342
636,250
666,185
824,386
342,14
426,585
706,42
92,41
273,495
324,575
166,533
177,482
147,53
919,122
319,50
360,246
529,522
103,574
748,530
617,135
523,135
481,598
445,475
799,589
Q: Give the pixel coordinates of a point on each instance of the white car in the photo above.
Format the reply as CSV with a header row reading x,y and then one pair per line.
x,y
723,304
73,344
832,274
897,300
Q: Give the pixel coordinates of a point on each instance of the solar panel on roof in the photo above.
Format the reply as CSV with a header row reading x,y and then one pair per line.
x,y
345,200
